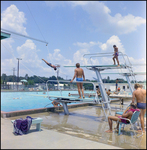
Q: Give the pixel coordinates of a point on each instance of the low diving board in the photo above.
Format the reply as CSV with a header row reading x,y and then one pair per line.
x,y
70,98
64,100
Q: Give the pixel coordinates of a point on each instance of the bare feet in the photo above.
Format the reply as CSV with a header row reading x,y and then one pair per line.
x,y
79,97
141,131
109,131
83,96
118,66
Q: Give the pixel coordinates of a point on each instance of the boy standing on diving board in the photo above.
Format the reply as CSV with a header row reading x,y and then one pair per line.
x,y
115,55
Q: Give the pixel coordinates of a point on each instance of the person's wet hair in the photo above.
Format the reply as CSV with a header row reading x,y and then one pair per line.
x,y
77,65
133,105
136,85
114,45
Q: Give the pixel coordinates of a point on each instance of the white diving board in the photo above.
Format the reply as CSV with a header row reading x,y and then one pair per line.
x,y
103,67
69,98
135,73
98,66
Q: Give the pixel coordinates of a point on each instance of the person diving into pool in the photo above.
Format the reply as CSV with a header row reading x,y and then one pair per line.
x,y
49,64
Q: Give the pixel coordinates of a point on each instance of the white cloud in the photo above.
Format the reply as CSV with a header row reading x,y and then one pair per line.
x,y
7,66
100,16
102,19
58,58
113,40
6,49
28,53
13,20
86,45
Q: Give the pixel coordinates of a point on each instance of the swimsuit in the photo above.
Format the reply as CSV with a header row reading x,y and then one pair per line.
x,y
49,64
127,121
79,79
116,54
141,105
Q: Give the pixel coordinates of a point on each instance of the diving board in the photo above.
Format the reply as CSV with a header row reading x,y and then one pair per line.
x,y
67,99
134,73
70,98
63,97
103,67
64,100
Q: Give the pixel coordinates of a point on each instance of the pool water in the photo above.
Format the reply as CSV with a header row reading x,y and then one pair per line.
x,y
14,101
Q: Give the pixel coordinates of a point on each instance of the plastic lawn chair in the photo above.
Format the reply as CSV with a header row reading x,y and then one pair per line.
x,y
133,120
121,112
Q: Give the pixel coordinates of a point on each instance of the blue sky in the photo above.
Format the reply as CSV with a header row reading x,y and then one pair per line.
x,y
72,29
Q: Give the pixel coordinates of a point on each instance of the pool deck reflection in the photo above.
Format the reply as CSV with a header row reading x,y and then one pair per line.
x,y
83,128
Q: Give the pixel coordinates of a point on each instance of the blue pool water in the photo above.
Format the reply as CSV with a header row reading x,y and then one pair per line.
x,y
14,101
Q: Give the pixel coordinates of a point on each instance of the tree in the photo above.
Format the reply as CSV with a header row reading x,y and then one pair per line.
x,y
4,77
30,82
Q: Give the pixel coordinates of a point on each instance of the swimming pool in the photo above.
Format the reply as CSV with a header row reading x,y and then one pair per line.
x,y
14,101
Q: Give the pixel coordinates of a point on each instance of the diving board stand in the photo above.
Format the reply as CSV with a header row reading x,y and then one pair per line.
x,y
64,100
97,69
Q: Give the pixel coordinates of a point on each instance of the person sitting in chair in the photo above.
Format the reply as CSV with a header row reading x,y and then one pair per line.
x,y
127,114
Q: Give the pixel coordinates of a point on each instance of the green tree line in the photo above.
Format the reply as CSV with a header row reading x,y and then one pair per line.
x,y
37,79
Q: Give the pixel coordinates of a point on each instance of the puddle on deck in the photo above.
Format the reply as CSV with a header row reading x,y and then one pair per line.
x,y
89,122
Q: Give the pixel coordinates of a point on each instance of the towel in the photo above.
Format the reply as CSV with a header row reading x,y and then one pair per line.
x,y
22,126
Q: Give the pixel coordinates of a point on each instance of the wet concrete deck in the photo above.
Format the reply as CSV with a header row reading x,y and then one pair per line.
x,y
84,125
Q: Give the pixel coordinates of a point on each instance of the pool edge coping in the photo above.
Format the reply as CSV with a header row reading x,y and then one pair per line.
x,y
39,110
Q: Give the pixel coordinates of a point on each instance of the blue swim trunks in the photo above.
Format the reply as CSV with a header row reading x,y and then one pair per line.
x,y
141,105
79,79
116,54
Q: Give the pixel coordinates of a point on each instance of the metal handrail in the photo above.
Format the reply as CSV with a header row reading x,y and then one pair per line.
x,y
129,66
96,96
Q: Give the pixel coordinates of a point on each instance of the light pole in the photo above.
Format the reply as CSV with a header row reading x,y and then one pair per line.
x,y
13,76
18,72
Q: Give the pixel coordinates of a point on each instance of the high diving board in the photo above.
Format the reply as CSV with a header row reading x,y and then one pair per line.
x,y
134,73
103,67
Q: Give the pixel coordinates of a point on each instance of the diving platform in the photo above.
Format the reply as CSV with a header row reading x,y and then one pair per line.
x,y
103,67
97,69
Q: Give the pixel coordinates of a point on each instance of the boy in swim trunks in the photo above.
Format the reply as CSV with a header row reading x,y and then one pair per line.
x,y
127,114
115,55
140,95
79,74
53,66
